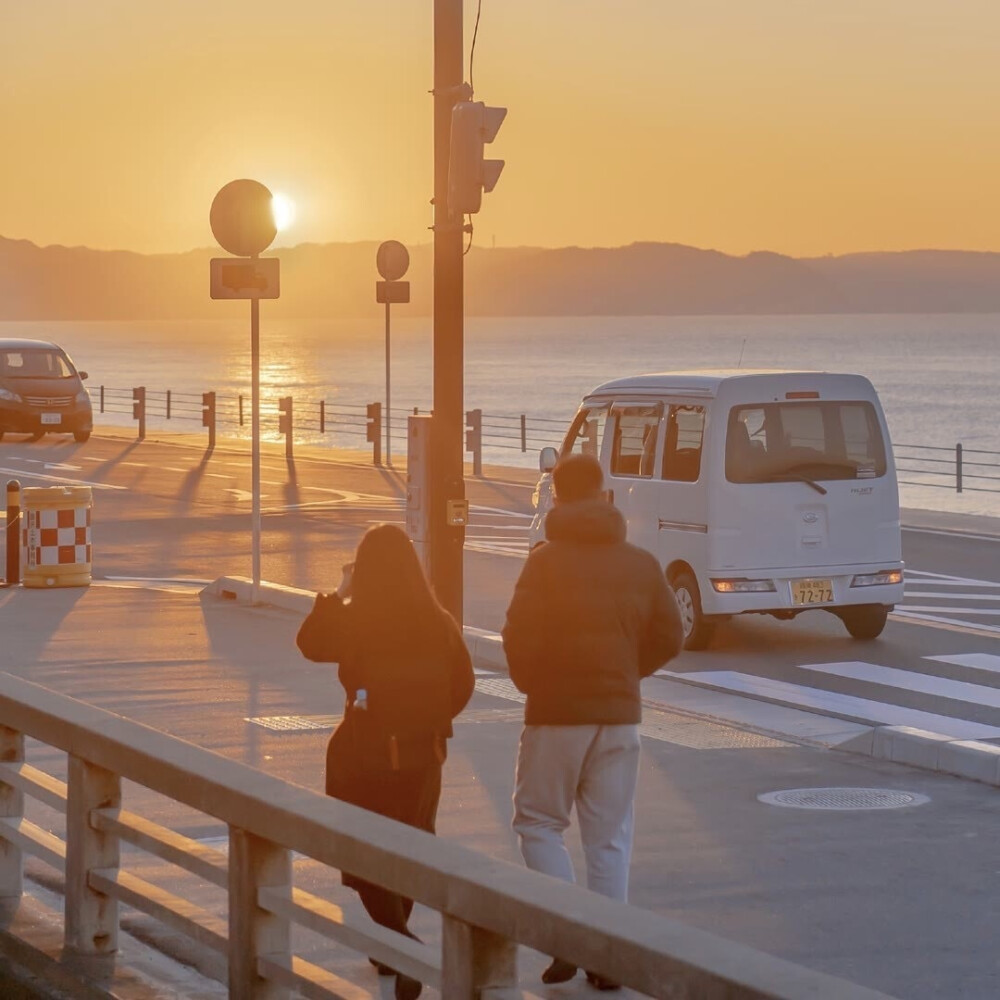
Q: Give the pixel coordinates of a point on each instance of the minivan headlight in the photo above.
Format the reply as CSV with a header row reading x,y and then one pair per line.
x,y
743,586
881,578
83,396
11,397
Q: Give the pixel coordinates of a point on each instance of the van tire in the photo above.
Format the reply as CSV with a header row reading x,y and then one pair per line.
x,y
864,621
697,628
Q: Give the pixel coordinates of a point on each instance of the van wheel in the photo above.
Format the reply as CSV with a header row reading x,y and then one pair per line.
x,y
697,628
81,436
865,621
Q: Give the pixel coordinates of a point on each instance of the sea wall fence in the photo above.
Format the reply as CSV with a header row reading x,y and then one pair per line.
x,y
487,906
955,468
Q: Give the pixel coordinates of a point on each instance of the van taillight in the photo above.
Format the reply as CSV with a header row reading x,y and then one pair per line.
x,y
801,395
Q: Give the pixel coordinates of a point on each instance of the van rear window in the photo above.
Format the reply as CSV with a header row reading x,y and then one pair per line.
x,y
778,442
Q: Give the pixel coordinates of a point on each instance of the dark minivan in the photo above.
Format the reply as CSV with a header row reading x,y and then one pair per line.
x,y
41,391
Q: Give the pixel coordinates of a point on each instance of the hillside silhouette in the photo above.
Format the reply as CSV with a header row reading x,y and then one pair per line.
x,y
338,280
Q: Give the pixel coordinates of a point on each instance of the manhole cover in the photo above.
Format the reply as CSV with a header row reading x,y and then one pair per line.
x,y
843,798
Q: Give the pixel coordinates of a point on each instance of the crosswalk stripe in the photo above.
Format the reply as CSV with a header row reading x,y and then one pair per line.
x,y
816,699
978,661
910,680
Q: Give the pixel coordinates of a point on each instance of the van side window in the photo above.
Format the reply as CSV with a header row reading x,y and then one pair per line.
x,y
586,432
682,445
634,449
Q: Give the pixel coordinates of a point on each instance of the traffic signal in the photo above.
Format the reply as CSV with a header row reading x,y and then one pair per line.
x,y
473,124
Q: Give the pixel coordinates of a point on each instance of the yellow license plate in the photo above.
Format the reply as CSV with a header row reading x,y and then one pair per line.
x,y
812,591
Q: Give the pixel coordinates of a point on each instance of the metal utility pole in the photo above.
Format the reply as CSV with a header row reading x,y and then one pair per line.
x,y
447,481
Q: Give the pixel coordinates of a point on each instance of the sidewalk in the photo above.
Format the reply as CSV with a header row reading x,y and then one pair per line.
x,y
882,897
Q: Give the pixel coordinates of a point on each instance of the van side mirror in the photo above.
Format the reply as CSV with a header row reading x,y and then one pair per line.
x,y
83,375
547,459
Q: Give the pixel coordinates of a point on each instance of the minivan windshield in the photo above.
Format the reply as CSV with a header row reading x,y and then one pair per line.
x,y
805,441
34,362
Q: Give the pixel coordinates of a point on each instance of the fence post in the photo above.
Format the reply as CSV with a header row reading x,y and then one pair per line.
x,y
13,532
11,807
255,933
139,409
474,961
91,920
102,399
208,416
474,439
168,404
524,433
285,422
322,416
958,468
241,409
374,432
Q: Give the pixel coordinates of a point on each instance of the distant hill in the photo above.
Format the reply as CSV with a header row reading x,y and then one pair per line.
x,y
338,280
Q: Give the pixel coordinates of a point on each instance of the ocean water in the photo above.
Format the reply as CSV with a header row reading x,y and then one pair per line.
x,y
937,376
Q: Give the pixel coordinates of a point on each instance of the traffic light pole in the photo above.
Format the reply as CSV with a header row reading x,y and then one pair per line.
x,y
447,474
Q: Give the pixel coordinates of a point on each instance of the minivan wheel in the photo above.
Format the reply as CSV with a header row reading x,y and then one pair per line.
x,y
864,621
697,628
81,436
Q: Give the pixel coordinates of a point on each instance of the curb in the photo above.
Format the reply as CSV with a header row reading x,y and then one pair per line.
x,y
929,751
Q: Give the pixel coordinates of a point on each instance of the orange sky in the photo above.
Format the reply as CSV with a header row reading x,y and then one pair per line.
x,y
801,126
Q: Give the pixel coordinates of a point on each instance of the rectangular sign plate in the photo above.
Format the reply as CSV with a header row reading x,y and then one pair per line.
x,y
245,277
392,292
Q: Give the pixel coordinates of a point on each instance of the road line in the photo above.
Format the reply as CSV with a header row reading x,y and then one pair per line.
x,y
817,699
136,465
943,595
909,680
976,661
931,609
953,534
61,480
217,475
949,624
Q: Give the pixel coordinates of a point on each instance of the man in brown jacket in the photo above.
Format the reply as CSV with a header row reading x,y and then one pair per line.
x,y
591,615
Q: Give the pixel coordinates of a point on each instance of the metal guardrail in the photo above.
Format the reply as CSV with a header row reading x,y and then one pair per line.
x,y
488,907
954,468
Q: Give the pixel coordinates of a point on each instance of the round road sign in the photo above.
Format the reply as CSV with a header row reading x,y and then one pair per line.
x,y
242,218
392,260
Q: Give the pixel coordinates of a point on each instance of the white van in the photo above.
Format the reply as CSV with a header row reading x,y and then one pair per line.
x,y
760,492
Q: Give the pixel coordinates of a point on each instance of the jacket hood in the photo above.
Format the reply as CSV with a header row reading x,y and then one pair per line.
x,y
595,522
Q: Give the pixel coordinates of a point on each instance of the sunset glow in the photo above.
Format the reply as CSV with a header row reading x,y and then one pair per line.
x,y
800,128
284,210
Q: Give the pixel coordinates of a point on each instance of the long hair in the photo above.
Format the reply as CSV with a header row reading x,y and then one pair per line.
x,y
390,595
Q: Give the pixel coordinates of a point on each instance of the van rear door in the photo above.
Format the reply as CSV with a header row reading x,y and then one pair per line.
x,y
807,483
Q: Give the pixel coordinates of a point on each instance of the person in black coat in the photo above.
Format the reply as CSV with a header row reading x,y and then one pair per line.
x,y
406,673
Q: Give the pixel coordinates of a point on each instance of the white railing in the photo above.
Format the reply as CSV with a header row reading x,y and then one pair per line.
x,y
487,906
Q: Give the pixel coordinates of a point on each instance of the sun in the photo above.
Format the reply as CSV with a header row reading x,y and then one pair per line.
x,y
283,209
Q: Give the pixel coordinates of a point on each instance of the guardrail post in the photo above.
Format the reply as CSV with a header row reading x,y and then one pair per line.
x,y
374,432
102,399
255,933
474,960
91,917
11,808
285,422
168,403
474,439
524,433
322,416
208,416
139,409
13,534
958,468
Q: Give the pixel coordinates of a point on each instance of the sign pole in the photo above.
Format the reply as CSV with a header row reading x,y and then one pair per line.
x,y
388,397
255,444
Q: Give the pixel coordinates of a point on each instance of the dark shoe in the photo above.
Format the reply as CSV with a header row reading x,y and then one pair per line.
x,y
558,972
381,968
407,988
600,983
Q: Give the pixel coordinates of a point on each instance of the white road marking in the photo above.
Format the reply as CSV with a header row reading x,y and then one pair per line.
x,y
61,480
953,534
952,596
939,579
217,475
952,623
170,468
977,661
877,712
241,495
63,465
909,680
135,465
932,609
